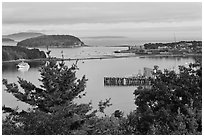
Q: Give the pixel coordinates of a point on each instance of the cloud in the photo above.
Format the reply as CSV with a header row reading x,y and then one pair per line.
x,y
126,29
106,21
74,13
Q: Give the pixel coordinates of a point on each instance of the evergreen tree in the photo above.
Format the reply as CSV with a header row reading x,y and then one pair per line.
x,y
53,109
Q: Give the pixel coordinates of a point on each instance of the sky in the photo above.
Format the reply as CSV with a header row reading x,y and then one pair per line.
x,y
107,23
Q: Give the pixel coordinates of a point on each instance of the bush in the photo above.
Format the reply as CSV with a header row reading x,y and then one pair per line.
x,y
173,105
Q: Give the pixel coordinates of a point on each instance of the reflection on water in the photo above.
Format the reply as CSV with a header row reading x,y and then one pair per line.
x,y
95,70
23,69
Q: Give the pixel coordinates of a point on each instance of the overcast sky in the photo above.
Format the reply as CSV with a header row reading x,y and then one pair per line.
x,y
125,21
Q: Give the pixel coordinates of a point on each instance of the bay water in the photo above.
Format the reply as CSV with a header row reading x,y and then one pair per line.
x,y
122,98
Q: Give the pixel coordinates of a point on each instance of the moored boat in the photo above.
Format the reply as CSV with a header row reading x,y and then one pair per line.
x,y
23,64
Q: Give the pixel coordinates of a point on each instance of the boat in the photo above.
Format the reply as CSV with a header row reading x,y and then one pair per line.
x,y
23,64
118,51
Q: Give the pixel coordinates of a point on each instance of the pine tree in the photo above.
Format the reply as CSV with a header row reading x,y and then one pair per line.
x,y
53,109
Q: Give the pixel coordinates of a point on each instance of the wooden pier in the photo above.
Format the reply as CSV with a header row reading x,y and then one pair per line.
x,y
131,81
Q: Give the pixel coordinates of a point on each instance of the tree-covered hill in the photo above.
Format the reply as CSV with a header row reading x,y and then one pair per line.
x,y
13,53
52,41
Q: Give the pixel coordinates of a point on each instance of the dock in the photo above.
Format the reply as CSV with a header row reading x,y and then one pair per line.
x,y
130,81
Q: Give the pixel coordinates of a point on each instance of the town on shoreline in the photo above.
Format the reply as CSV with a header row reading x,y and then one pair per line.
x,y
174,48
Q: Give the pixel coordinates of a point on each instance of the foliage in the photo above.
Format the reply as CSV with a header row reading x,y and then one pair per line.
x,y
194,46
152,45
14,53
52,100
174,103
103,104
53,110
108,125
51,41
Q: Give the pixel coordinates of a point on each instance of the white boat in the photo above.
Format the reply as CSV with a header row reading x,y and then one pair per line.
x,y
23,64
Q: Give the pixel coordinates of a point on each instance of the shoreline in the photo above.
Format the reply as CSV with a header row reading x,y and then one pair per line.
x,y
102,57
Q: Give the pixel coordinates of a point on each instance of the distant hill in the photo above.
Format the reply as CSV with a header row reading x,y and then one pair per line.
x,y
7,40
22,35
65,41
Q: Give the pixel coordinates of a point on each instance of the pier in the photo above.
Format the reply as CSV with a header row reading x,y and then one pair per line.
x,y
131,81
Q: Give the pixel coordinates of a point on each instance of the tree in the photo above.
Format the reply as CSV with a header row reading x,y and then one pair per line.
x,y
173,104
53,109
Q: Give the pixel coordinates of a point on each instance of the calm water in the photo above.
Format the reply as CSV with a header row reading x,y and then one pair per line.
x,y
95,70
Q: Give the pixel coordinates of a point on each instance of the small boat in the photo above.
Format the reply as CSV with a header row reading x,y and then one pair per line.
x,y
118,51
23,64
